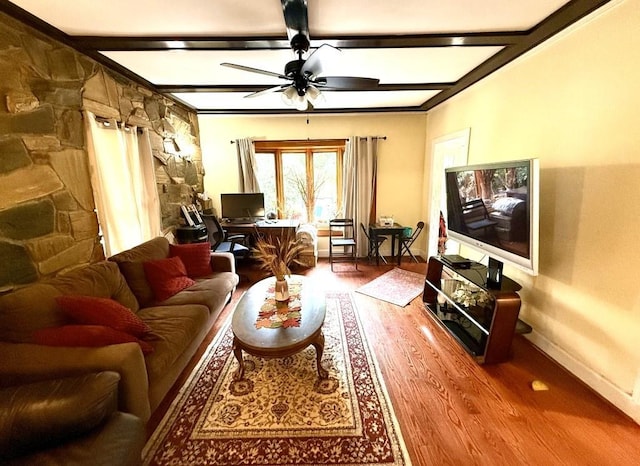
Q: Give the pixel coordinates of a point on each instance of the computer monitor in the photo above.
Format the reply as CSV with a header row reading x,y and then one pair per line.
x,y
245,206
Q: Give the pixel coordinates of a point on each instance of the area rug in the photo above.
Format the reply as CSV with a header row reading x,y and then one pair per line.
x,y
397,286
280,413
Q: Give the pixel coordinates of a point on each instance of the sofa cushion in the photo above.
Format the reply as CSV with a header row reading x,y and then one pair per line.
x,y
86,336
133,272
156,248
102,279
211,292
102,311
174,328
130,263
166,277
34,307
43,414
195,256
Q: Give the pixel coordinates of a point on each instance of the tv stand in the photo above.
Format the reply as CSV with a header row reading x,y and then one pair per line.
x,y
484,331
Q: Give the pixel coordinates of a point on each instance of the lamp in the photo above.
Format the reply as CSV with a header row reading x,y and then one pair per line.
x,y
293,97
312,93
289,95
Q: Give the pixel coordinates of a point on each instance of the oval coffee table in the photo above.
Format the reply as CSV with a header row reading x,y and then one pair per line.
x,y
278,342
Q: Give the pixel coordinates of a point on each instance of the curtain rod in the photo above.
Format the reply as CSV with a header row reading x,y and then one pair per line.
x,y
384,138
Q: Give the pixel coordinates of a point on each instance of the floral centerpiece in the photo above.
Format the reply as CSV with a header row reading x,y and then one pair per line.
x,y
470,296
276,254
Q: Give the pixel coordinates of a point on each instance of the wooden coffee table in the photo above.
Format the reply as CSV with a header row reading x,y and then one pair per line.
x,y
278,342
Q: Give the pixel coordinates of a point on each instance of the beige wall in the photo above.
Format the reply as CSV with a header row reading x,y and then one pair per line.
x,y
574,103
401,157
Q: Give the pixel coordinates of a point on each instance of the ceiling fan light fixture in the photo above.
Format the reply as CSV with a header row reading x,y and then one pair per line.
x,y
302,104
313,93
290,95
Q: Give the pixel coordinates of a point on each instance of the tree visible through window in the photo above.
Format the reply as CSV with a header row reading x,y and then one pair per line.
x,y
301,179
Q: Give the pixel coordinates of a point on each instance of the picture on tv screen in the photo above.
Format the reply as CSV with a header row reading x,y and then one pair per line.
x,y
492,205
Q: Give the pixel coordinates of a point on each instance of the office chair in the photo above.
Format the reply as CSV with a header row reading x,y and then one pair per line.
x,y
342,234
221,241
374,245
407,241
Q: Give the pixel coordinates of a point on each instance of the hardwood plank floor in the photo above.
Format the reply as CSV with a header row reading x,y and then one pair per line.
x,y
453,411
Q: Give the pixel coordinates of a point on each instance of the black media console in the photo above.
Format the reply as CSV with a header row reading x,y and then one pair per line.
x,y
484,331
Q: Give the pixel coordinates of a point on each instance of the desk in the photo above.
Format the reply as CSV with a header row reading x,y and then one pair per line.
x,y
281,227
395,231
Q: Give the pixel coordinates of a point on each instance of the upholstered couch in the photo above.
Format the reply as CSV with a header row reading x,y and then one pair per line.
x,y
510,215
149,365
72,421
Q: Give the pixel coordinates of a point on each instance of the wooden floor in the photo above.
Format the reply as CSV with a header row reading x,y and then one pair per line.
x,y
453,411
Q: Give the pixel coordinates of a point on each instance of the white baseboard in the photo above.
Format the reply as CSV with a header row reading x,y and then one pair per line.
x,y
623,401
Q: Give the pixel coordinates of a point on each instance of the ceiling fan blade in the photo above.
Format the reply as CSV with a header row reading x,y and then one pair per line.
x,y
324,53
269,90
346,82
296,18
254,70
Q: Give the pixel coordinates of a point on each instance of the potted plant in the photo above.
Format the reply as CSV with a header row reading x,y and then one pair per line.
x,y
276,254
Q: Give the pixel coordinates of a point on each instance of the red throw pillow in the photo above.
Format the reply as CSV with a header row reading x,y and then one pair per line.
x,y
195,256
166,277
92,310
86,335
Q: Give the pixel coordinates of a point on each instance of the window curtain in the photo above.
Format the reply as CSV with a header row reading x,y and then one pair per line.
x,y
123,181
247,164
359,183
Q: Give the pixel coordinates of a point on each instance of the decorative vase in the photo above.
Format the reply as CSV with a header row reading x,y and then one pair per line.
x,y
282,290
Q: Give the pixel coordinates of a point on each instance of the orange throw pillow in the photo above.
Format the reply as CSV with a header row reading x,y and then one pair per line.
x,y
86,335
92,310
195,256
167,277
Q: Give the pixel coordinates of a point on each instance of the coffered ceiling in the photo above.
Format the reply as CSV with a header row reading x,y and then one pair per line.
x,y
422,51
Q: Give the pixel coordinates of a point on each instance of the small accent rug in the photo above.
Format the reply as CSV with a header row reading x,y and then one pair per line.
x,y
281,414
397,286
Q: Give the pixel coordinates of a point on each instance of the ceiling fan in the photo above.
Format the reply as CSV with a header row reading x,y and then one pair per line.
x,y
303,76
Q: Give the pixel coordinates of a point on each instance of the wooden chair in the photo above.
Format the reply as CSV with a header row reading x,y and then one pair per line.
x,y
342,235
373,251
407,241
476,218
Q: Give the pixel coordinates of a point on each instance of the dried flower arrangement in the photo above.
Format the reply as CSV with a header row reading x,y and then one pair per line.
x,y
277,253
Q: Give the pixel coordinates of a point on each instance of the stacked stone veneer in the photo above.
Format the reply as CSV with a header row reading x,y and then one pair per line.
x,y
47,219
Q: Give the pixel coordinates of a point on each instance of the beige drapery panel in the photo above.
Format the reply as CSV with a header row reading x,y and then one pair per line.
x,y
359,182
124,186
247,164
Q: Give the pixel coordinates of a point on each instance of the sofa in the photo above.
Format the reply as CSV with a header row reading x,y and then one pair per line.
x,y
72,421
148,366
510,216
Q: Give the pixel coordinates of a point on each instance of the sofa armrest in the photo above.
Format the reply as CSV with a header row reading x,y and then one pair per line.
x,y
223,262
24,363
41,415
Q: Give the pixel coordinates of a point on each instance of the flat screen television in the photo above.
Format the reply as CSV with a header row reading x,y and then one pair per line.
x,y
493,208
242,206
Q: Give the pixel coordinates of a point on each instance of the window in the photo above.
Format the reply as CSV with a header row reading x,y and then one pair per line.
x,y
301,179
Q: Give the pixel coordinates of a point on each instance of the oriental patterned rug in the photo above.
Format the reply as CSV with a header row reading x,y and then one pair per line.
x,y
281,414
397,286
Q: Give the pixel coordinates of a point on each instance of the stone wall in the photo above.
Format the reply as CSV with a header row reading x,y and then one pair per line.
x,y
47,213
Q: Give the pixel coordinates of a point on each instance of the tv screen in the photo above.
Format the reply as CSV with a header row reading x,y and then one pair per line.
x,y
494,209
249,206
